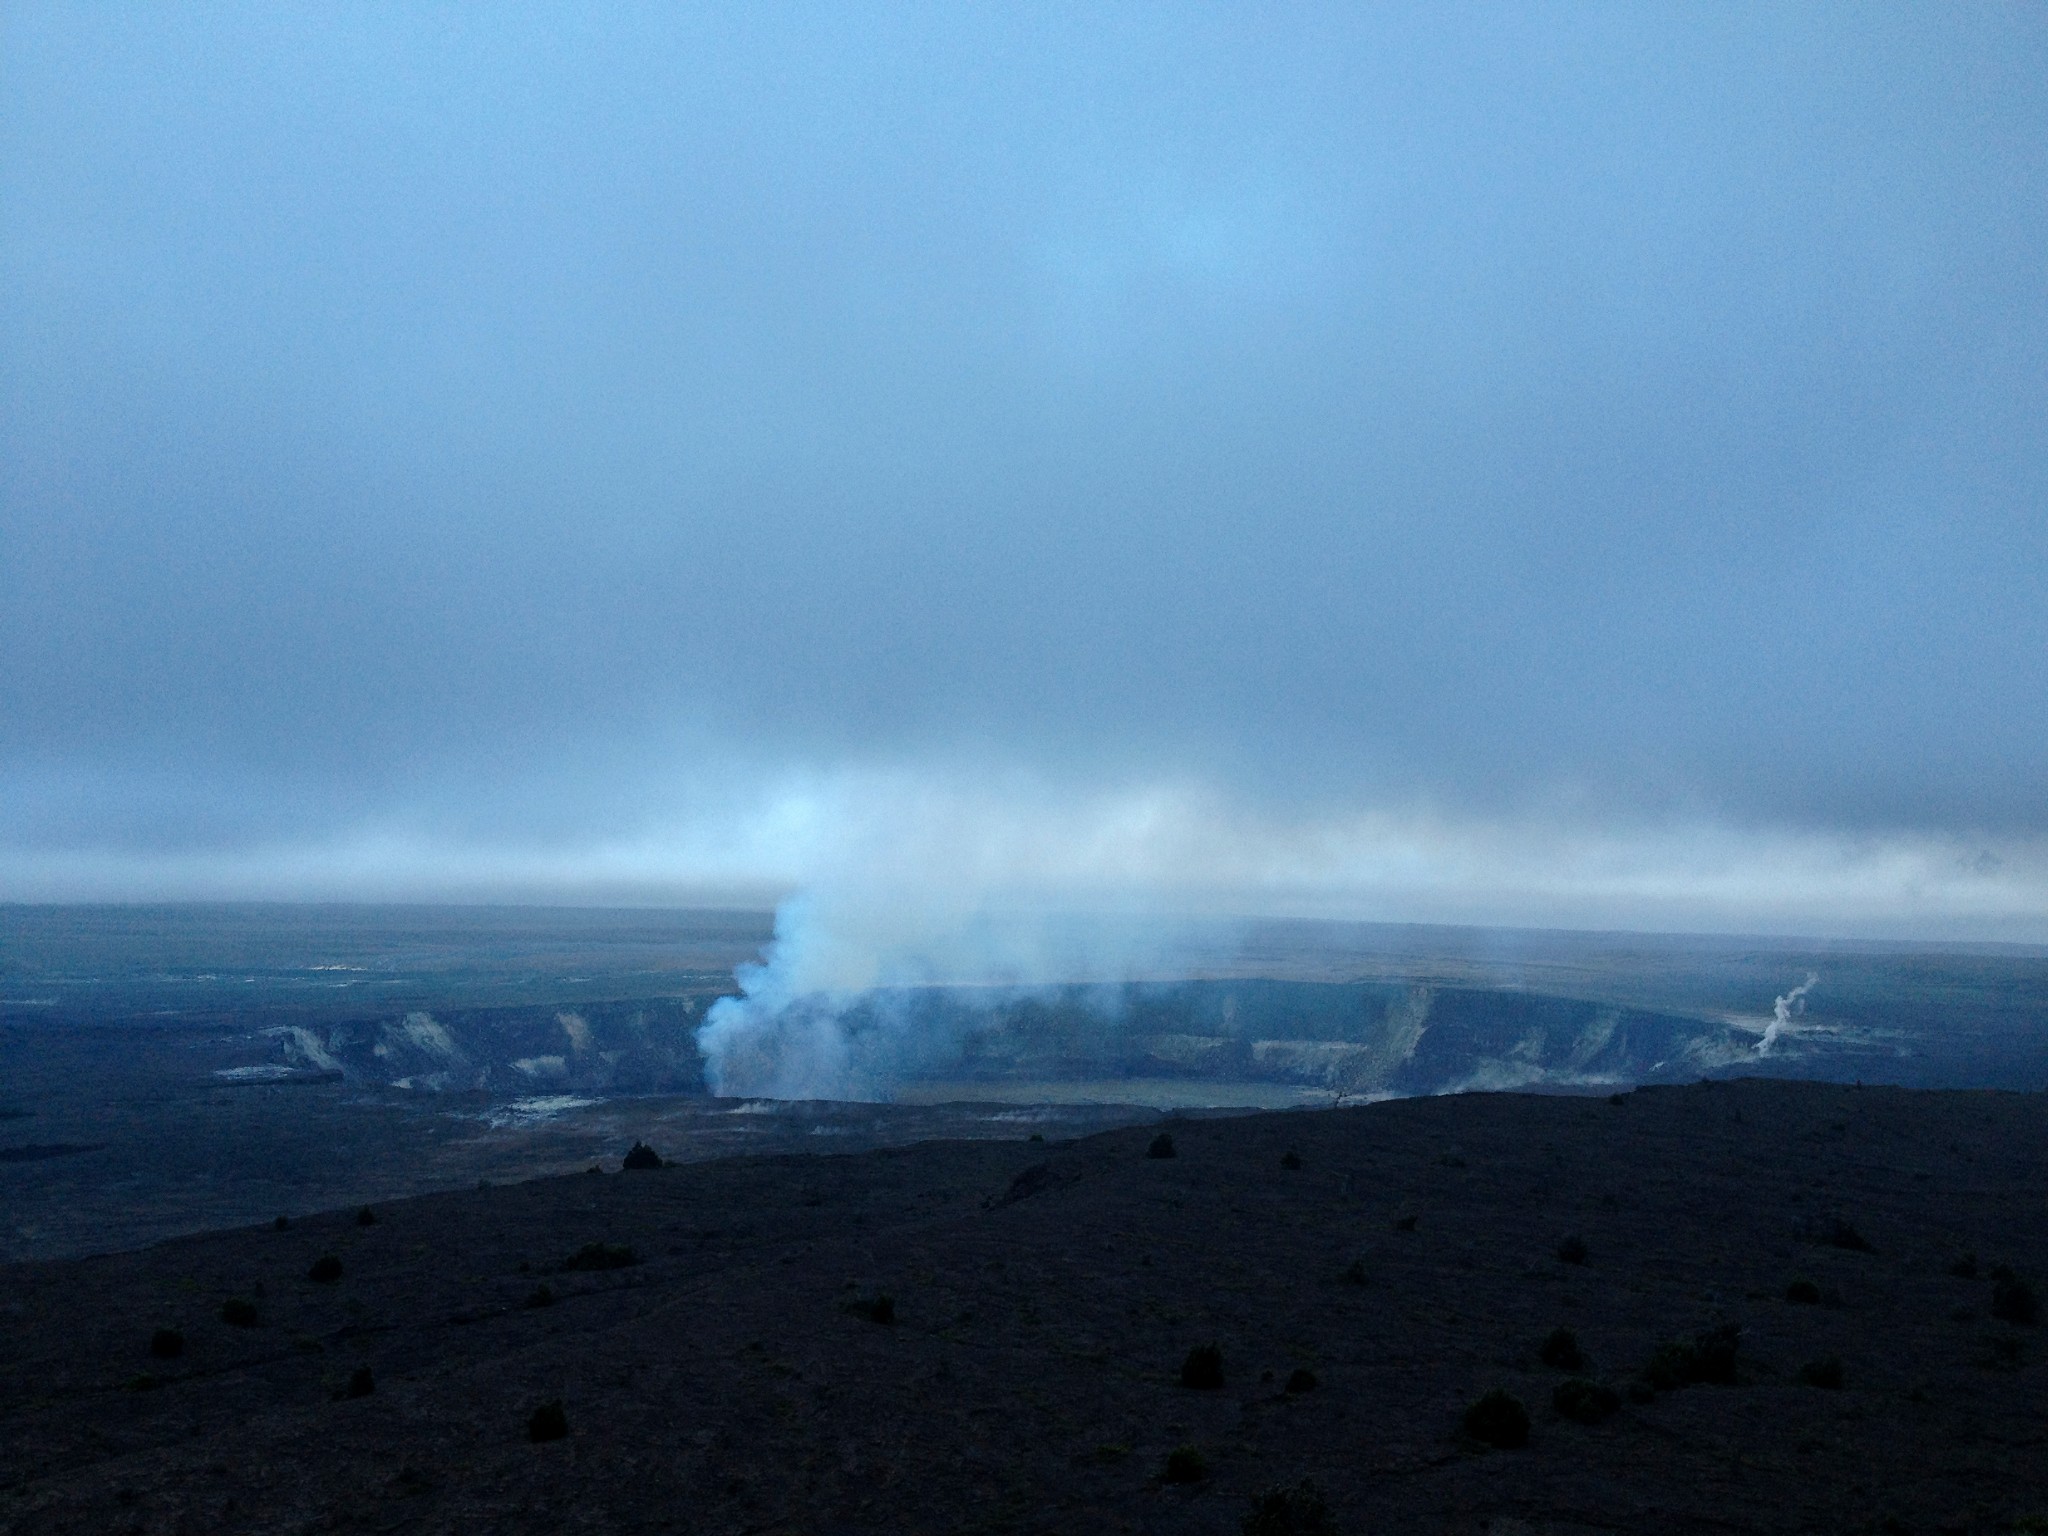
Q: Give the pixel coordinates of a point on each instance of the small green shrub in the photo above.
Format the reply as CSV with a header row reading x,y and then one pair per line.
x,y
1302,1379
876,1309
1674,1365
1964,1268
1586,1402
1803,1293
366,1217
282,1224
238,1312
1718,1347
1825,1373
641,1156
2012,1299
325,1270
1290,1160
1296,1511
1354,1273
1406,1224
1185,1464
1572,1250
1839,1234
167,1343
1499,1420
542,1295
1617,1099
1202,1371
547,1422
602,1256
1161,1146
360,1383
1561,1351
1708,1357
1035,1180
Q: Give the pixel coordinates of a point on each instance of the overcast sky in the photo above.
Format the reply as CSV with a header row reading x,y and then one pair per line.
x,y
1435,462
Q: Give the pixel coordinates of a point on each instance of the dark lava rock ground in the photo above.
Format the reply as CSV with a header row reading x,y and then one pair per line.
x,y
735,1378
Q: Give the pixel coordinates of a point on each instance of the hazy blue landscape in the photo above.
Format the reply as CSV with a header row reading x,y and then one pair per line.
x,y
898,770
173,1069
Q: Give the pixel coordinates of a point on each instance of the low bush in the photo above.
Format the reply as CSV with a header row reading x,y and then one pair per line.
x,y
1297,1511
1034,1180
1965,1267
547,1422
602,1256
1839,1234
1302,1379
366,1217
641,1156
238,1312
1561,1351
876,1309
1202,1371
1718,1347
1290,1160
2012,1299
542,1295
1185,1464
1572,1250
1586,1402
360,1383
1803,1293
1405,1224
167,1343
1674,1365
1708,1357
325,1270
282,1224
1825,1373
1161,1146
1499,1420
1354,1273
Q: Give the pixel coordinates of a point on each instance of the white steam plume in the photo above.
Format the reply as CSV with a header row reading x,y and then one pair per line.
x,y
1012,884
1781,1013
824,1017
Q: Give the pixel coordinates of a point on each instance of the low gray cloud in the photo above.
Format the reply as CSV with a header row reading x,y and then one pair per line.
x,y
505,440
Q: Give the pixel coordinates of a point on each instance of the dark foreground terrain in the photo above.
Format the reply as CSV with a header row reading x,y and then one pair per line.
x,y
991,1336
